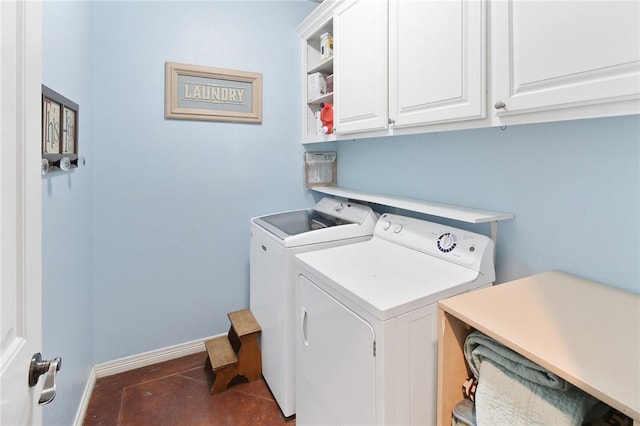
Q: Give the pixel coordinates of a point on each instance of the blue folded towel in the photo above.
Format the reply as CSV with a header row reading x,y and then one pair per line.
x,y
479,346
512,390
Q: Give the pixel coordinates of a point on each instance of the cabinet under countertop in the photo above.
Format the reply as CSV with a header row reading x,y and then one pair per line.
x,y
585,332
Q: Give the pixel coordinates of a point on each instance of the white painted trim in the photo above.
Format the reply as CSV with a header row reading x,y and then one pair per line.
x,y
86,397
152,357
136,361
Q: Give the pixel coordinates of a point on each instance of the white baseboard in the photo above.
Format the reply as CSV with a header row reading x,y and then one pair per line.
x,y
152,357
135,361
86,396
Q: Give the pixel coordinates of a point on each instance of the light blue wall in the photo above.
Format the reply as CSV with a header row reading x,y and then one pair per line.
x,y
573,186
67,226
173,199
148,246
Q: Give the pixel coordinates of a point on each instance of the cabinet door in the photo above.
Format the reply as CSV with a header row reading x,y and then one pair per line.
x,y
360,66
556,54
436,61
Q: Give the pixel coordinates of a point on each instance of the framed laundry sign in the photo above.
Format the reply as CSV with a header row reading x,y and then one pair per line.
x,y
194,92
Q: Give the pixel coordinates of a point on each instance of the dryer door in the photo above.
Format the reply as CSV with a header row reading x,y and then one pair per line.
x,y
335,377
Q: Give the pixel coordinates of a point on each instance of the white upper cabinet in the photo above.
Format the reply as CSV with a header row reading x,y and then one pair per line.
x,y
410,63
565,59
360,66
413,66
437,52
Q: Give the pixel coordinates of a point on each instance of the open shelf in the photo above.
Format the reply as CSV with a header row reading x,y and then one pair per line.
x,y
581,326
448,211
310,31
324,98
325,67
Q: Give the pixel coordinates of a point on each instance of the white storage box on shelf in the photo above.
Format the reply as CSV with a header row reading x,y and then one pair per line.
x,y
316,86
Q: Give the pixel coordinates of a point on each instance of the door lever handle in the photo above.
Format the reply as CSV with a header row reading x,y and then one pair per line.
x,y
49,390
37,368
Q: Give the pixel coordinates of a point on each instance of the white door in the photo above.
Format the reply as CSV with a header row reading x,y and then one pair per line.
x,y
557,54
20,228
335,361
436,61
360,66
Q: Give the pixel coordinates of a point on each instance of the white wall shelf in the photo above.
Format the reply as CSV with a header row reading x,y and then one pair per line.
x,y
448,211
323,67
324,98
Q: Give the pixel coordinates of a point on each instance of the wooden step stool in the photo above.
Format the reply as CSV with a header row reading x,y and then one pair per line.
x,y
237,353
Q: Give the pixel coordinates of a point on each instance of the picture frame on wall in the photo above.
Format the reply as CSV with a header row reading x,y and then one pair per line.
x,y
59,126
194,92
69,127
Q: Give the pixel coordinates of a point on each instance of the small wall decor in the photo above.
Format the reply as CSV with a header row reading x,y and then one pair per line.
x,y
194,92
59,130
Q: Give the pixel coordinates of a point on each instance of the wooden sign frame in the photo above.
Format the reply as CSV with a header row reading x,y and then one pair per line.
x,y
194,92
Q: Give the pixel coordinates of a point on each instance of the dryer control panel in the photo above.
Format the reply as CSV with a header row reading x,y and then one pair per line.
x,y
455,245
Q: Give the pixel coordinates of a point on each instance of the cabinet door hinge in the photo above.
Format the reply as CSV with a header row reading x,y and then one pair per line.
x,y
374,348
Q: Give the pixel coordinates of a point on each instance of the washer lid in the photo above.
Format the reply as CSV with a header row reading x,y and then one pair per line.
x,y
386,279
329,220
294,222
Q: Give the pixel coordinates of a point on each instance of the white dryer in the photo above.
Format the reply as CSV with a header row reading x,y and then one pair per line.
x,y
366,329
275,240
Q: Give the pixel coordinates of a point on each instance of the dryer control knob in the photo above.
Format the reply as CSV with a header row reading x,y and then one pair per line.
x,y
339,207
397,229
386,225
447,242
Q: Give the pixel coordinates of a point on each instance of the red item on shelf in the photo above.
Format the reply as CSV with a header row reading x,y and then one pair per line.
x,y
326,117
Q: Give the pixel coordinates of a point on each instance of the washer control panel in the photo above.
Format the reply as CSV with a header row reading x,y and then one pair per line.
x,y
344,210
456,245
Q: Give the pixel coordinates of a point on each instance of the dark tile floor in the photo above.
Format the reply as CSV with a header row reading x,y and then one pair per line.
x,y
176,392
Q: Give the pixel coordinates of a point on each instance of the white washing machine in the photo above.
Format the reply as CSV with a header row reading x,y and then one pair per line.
x,y
275,240
366,328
